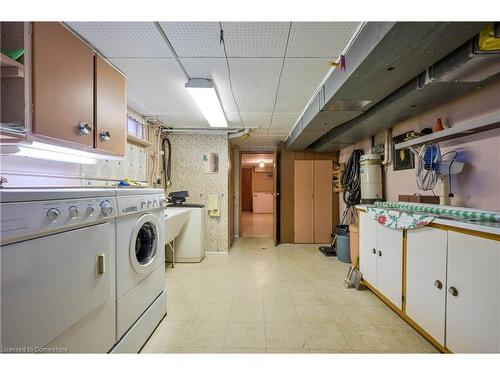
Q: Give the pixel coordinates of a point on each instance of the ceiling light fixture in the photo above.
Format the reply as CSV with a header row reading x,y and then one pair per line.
x,y
203,93
261,164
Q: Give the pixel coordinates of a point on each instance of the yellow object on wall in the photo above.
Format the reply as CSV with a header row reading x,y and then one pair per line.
x,y
487,40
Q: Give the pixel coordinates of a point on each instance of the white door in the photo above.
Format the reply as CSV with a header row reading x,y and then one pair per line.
x,y
473,295
367,248
390,263
426,280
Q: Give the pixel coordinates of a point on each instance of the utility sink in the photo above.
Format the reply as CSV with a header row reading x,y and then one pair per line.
x,y
174,222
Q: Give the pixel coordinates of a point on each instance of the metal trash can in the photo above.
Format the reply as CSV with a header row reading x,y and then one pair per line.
x,y
343,248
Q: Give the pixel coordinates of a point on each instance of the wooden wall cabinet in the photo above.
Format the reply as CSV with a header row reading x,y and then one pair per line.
x,y
110,108
63,84
312,201
78,97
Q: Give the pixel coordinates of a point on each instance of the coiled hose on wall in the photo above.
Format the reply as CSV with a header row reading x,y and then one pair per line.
x,y
352,180
167,161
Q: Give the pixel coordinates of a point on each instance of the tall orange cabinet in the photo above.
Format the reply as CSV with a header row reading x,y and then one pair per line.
x,y
313,194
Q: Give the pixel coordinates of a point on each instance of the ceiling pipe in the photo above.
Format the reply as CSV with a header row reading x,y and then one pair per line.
x,y
231,132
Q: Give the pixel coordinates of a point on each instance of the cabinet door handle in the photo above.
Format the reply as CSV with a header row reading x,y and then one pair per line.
x,y
105,135
84,128
438,284
379,253
374,251
100,265
453,291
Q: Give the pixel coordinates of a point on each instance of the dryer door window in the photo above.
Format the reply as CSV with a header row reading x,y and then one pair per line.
x,y
145,243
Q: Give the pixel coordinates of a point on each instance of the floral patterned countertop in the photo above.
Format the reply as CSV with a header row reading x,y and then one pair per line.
x,y
485,227
399,219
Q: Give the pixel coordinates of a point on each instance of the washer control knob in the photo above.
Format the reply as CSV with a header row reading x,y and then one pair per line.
x,y
73,211
106,208
53,214
149,203
90,210
143,203
163,202
155,202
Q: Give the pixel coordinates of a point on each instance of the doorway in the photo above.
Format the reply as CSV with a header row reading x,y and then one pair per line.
x,y
257,194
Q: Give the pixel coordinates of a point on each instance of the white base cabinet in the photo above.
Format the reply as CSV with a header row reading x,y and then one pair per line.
x,y
426,280
473,294
381,258
452,281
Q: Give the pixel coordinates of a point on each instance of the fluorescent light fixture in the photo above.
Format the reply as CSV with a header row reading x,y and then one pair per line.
x,y
39,150
204,94
261,164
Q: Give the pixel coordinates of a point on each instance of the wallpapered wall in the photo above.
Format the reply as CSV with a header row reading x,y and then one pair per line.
x,y
187,174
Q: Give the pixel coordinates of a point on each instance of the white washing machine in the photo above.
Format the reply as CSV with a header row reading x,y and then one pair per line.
x,y
57,270
140,266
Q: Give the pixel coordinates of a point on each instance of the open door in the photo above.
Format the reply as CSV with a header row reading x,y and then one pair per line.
x,y
276,199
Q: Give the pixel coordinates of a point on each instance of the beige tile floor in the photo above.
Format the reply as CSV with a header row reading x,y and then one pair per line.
x,y
256,225
288,299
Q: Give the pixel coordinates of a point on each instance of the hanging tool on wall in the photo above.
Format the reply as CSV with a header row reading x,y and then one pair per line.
x,y
167,161
352,196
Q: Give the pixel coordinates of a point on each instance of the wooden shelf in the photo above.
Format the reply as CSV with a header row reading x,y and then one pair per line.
x,y
138,141
463,129
10,67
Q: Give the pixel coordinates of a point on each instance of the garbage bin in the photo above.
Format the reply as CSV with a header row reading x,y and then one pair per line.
x,y
343,249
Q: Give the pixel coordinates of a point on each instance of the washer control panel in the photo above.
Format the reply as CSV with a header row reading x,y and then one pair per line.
x,y
21,219
139,203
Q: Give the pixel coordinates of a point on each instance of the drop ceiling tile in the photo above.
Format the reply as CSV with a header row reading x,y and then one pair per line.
x,y
283,122
258,140
320,39
123,39
184,120
255,39
194,39
156,83
300,81
255,82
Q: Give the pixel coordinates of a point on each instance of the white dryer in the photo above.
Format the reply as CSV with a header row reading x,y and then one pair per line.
x,y
57,270
140,266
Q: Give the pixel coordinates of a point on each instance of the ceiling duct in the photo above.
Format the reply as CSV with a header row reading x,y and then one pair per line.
x,y
459,72
383,57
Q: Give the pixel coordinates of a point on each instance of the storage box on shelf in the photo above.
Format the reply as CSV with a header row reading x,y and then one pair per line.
x,y
442,279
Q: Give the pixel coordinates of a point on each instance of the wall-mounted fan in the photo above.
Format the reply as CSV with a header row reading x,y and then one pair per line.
x,y
431,165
